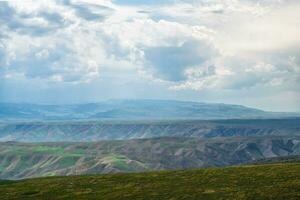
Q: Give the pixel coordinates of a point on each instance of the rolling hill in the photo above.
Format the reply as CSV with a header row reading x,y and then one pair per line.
x,y
261,182
27,160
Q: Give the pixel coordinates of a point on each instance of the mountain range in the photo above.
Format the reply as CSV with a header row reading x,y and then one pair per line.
x,y
133,110
138,135
85,131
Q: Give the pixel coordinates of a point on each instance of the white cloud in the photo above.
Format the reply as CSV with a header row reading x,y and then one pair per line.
x,y
275,31
218,45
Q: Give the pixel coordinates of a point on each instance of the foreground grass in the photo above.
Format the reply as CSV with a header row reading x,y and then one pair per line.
x,y
261,182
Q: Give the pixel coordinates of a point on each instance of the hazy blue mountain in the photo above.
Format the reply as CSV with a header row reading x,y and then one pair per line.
x,y
132,110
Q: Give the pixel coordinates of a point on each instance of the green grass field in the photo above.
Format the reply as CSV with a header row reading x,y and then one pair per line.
x,y
259,182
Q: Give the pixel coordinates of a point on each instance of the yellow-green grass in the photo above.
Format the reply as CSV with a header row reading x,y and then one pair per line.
x,y
259,182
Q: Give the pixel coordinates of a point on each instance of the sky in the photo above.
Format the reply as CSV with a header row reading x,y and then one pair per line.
x,y
227,51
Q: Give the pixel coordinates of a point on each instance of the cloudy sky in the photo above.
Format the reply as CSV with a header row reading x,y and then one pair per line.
x,y
230,51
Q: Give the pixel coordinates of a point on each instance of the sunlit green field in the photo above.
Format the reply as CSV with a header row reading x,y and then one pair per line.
x,y
271,181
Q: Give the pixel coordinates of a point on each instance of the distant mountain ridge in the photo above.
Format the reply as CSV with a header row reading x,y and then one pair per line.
x,y
133,110
79,131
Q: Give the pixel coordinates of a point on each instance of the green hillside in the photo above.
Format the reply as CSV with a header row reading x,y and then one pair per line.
x,y
29,160
277,181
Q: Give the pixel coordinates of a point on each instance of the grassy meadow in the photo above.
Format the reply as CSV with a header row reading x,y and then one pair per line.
x,y
257,182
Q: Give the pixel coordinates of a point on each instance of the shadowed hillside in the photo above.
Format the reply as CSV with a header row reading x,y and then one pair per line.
x,y
279,159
